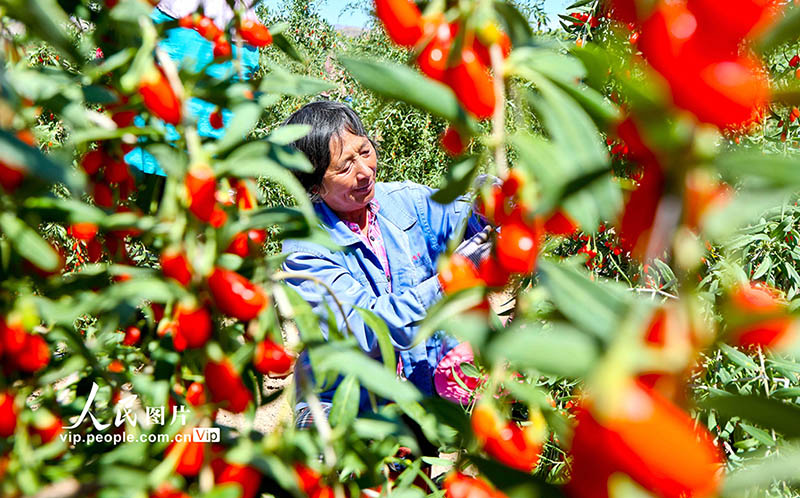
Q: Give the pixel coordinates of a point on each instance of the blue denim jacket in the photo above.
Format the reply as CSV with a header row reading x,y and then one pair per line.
x,y
415,232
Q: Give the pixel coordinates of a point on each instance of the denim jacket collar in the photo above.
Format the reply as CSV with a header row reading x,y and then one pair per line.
x,y
389,211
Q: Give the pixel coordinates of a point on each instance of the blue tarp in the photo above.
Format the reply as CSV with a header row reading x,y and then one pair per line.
x,y
192,52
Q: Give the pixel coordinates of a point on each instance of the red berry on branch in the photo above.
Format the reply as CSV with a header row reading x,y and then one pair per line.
x,y
452,142
8,414
190,456
159,97
132,336
215,119
472,84
255,33
401,19
222,48
84,231
735,19
458,273
196,394
432,60
94,160
207,29
505,441
175,265
688,464
226,386
518,247
272,359
458,485
47,427
193,327
35,354
246,477
236,296
201,186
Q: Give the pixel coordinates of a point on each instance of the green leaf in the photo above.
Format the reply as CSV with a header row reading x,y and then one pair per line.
x,y
286,134
42,84
61,210
785,30
559,350
47,20
514,483
763,267
770,413
95,134
596,61
432,428
516,25
345,402
774,170
371,374
245,118
225,490
143,60
287,47
786,393
266,167
136,290
289,157
567,123
14,151
402,83
28,243
449,307
593,307
567,72
587,196
281,82
762,436
98,94
458,180
780,466
738,357
381,331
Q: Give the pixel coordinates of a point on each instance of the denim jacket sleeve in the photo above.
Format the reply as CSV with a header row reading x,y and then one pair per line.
x,y
440,221
399,310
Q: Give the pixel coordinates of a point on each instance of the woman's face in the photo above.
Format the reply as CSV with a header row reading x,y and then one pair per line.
x,y
349,182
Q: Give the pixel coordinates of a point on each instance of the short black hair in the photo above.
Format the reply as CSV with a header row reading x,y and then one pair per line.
x,y
327,119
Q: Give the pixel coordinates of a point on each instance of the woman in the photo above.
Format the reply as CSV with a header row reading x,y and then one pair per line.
x,y
392,235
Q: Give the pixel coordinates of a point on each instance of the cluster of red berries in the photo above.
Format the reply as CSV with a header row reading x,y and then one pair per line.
x,y
507,442
584,18
466,73
190,458
45,425
618,148
617,437
12,175
516,240
758,315
112,182
459,485
252,32
695,45
20,350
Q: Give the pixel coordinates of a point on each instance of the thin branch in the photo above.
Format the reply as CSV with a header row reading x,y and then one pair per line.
x,y
498,119
285,275
318,415
654,291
